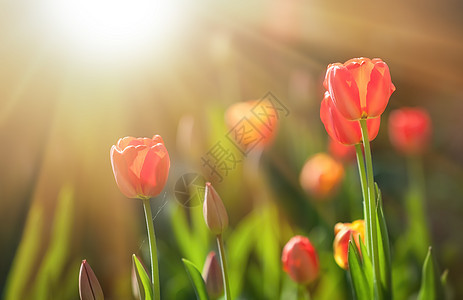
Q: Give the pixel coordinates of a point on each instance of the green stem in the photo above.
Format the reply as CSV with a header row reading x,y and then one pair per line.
x,y
363,184
153,250
416,205
373,234
302,292
223,261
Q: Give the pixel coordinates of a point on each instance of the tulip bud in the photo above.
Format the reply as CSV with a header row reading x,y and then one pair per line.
x,y
212,275
343,233
89,287
214,211
410,130
300,260
321,175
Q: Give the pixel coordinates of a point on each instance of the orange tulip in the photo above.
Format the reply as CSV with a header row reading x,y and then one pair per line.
x,y
410,130
321,175
343,232
340,129
300,260
140,166
360,88
254,123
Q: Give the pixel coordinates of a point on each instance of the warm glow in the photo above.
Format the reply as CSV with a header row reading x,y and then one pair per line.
x,y
112,28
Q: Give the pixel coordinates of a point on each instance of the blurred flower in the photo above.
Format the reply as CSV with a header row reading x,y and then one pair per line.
x,y
342,130
321,175
89,287
255,121
212,275
300,260
341,152
360,88
214,211
140,166
410,130
343,232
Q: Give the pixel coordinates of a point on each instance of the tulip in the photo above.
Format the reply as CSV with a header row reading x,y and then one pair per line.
x,y
300,260
212,275
341,152
341,129
360,88
140,166
260,125
343,233
410,130
89,287
321,175
214,211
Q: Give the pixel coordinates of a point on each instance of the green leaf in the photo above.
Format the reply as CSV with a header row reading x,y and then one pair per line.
x,y
367,266
384,247
359,281
196,279
26,255
145,291
431,284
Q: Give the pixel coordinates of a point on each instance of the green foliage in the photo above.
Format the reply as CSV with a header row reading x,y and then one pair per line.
x,y
196,279
51,267
361,285
145,287
384,248
432,287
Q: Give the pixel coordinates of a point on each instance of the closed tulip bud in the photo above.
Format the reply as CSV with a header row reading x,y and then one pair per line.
x,y
214,211
410,130
360,88
340,129
140,166
321,175
89,287
343,233
212,275
300,260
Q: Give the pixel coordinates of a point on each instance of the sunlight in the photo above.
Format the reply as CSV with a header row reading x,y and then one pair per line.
x,y
113,28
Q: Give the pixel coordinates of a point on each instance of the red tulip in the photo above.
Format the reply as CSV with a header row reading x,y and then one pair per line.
x,y
360,88
300,260
410,130
340,129
321,175
341,152
140,166
343,232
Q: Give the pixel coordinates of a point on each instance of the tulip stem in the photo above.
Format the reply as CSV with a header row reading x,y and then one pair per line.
x,y
372,233
223,261
363,185
153,249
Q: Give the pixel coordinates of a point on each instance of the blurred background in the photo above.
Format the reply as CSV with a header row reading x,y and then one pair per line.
x,y
75,76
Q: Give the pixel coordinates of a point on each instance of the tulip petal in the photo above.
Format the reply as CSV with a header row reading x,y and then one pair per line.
x,y
344,92
155,169
125,178
360,68
379,90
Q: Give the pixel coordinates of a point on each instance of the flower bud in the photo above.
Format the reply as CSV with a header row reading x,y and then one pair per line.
x,y
214,211
343,232
300,260
212,275
89,287
321,175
